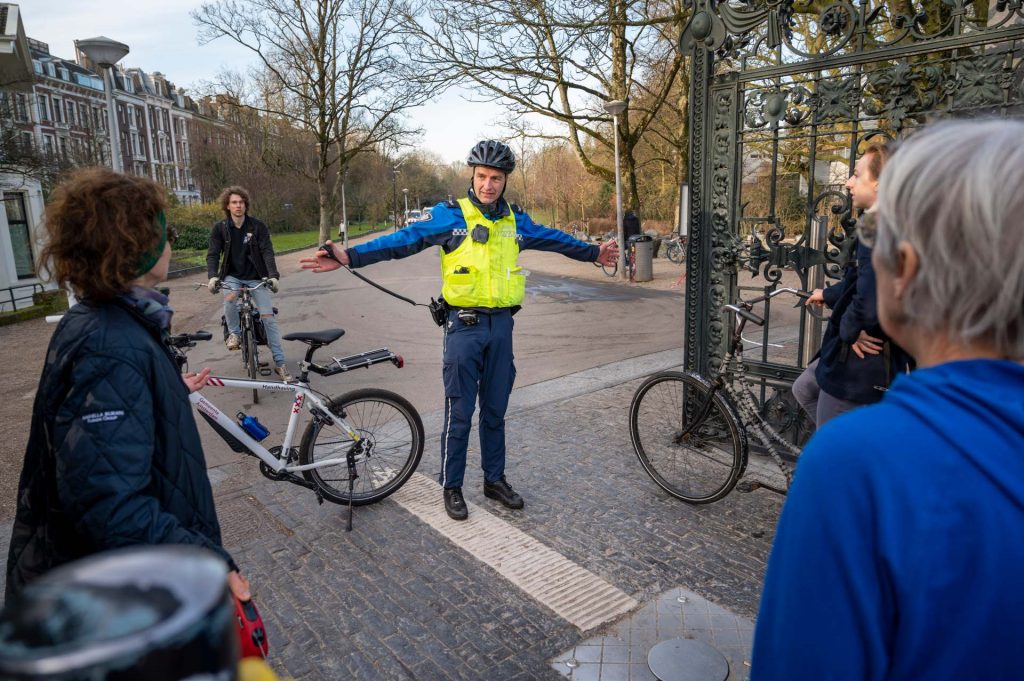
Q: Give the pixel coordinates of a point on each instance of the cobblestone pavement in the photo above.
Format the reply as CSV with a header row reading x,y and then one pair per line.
x,y
395,600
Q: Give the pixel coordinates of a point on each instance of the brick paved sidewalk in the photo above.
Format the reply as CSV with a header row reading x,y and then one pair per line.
x,y
395,599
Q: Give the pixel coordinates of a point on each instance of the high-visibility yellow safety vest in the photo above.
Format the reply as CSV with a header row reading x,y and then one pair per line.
x,y
483,275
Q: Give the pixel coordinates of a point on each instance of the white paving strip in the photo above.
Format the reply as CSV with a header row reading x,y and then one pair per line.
x,y
573,593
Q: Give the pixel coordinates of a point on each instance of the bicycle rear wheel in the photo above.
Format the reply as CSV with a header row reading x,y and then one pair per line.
x,y
389,449
687,437
674,252
610,271
252,358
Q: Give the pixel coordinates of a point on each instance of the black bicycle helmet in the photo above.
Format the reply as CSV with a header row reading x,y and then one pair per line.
x,y
493,155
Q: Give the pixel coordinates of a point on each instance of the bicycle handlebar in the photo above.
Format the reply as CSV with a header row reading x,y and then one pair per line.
x,y
264,282
743,308
187,340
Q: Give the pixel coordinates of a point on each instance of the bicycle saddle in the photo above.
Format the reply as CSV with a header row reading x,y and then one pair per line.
x,y
325,337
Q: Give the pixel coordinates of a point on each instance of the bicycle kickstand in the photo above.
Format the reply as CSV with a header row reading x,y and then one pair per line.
x,y
352,475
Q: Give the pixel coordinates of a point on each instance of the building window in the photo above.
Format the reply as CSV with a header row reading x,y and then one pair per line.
x,y
42,101
83,115
70,110
63,148
57,115
21,107
48,148
21,238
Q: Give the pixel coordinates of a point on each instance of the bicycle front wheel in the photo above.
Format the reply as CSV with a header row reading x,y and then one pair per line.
x,y
687,437
388,450
674,253
610,271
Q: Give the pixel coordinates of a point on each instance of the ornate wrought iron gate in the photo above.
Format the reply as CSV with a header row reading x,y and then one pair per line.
x,y
784,97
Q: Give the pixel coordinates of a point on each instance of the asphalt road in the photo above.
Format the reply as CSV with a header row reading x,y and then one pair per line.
x,y
574,318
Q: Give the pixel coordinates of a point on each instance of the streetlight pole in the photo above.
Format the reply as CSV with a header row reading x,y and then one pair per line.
x,y
405,195
344,214
394,194
615,108
105,52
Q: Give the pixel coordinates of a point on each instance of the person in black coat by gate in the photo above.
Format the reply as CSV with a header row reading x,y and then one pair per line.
x,y
857,360
114,457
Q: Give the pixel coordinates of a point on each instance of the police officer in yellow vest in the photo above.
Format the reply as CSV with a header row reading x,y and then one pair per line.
x,y
480,238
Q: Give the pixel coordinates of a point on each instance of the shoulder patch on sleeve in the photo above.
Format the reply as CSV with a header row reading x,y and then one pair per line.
x,y
516,208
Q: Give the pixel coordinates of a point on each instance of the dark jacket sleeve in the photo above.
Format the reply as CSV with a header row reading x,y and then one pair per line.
x,y
833,293
541,238
104,443
266,249
214,252
862,313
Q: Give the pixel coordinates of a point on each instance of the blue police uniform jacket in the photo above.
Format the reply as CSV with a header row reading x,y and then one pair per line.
x,y
447,228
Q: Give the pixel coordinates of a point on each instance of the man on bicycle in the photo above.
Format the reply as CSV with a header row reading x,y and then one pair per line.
x,y
248,258
480,238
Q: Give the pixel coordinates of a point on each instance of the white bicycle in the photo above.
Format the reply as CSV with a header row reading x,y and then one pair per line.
x,y
356,449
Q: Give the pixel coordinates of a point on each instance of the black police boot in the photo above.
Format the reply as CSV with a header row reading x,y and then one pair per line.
x,y
503,492
454,504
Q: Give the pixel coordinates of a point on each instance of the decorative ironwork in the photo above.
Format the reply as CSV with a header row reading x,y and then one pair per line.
x,y
784,97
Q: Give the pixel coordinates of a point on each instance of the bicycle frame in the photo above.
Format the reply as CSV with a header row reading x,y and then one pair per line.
x,y
302,393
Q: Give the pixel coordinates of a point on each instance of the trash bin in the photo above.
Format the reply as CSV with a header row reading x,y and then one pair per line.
x,y
643,252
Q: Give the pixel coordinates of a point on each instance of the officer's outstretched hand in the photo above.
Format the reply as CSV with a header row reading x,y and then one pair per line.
x,y
608,254
328,258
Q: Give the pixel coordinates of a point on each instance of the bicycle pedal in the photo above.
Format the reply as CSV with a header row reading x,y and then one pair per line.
x,y
265,371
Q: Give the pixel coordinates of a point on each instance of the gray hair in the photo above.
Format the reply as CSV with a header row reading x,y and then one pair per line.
x,y
955,193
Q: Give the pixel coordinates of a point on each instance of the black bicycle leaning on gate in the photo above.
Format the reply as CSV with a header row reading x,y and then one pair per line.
x,y
690,431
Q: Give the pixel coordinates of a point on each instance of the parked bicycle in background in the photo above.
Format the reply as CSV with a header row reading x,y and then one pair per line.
x,y
674,248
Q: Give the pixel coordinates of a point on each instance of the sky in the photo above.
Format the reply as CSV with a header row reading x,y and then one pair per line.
x,y
162,37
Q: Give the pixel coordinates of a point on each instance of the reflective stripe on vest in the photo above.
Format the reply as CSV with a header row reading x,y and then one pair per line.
x,y
487,273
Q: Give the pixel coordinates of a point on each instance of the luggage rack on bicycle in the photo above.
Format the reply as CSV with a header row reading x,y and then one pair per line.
x,y
361,360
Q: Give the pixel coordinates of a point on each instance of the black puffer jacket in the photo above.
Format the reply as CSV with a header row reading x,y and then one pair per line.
x,y
114,457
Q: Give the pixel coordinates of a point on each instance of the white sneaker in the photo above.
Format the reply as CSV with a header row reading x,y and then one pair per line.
x,y
233,342
282,373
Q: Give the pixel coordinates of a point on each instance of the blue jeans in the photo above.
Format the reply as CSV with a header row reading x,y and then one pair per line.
x,y
264,303
477,363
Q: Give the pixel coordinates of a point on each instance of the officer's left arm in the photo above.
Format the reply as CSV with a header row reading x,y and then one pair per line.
x,y
541,238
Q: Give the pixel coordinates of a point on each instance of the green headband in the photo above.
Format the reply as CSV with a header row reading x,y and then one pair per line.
x,y
149,259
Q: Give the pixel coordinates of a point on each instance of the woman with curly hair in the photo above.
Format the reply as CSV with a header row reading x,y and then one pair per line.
x,y
114,457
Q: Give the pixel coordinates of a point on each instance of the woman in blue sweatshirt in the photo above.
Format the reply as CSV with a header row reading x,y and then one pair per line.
x,y
900,549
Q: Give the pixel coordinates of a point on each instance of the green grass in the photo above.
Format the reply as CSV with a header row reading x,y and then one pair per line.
x,y
283,241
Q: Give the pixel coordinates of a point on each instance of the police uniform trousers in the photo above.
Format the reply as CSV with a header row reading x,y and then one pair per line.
x,y
477,361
